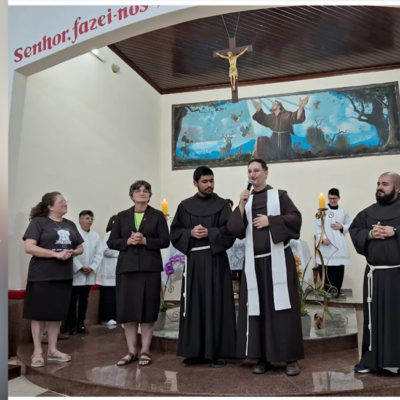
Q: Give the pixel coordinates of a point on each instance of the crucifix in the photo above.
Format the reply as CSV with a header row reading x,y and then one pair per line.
x,y
232,54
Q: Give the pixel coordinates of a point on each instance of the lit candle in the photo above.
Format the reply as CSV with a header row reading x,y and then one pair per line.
x,y
164,207
321,200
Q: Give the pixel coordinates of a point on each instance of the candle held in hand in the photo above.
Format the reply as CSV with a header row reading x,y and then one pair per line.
x,y
164,207
321,201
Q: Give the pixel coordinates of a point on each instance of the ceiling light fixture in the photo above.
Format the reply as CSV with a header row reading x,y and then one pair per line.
x,y
98,55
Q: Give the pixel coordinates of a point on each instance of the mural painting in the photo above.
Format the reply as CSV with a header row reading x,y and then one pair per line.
x,y
344,122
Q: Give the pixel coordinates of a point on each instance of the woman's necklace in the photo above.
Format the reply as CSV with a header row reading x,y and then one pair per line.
x,y
58,224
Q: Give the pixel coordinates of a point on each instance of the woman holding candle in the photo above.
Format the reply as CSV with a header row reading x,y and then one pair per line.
x,y
139,234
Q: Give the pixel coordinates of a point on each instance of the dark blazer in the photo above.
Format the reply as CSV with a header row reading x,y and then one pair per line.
x,y
139,257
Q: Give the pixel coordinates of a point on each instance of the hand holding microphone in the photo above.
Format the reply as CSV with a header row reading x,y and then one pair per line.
x,y
244,196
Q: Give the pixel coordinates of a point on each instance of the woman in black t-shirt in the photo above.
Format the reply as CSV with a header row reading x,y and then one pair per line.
x,y
52,241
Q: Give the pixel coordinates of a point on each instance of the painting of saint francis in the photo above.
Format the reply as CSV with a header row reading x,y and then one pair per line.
x,y
345,122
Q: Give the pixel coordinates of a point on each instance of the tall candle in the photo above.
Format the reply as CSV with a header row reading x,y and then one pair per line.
x,y
321,200
164,207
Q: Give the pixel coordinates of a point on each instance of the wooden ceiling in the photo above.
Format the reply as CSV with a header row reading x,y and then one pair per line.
x,y
288,43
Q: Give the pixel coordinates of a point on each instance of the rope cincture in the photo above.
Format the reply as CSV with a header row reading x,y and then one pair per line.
x,y
185,275
370,282
268,254
247,304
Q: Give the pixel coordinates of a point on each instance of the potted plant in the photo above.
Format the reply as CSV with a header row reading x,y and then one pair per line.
x,y
305,290
165,305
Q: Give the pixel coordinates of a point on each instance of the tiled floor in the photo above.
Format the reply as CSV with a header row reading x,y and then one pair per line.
x,y
93,372
22,387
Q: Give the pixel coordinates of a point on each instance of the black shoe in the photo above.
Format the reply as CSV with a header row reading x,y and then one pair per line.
x,y
261,367
187,362
72,332
292,368
218,363
82,329
361,368
62,336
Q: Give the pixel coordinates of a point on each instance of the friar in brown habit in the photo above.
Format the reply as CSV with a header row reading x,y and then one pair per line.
x,y
269,324
207,326
375,235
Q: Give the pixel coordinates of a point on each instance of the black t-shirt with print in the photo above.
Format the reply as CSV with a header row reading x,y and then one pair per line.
x,y
55,236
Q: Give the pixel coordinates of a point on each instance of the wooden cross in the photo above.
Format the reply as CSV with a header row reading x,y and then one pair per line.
x,y
232,54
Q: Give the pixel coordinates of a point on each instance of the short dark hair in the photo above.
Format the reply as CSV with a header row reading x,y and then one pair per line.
x,y
137,185
83,213
334,192
201,171
264,165
110,223
230,202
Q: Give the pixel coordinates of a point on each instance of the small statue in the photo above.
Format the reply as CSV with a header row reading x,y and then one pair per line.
x,y
233,72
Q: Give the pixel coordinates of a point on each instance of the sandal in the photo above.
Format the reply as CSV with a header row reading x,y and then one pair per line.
x,y
129,358
37,360
59,356
146,360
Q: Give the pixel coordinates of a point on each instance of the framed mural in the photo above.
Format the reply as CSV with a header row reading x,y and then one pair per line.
x,y
343,122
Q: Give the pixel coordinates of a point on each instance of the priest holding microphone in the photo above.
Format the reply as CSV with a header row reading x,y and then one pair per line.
x,y
269,325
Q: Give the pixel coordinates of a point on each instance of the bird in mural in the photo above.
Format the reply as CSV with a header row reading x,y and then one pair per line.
x,y
236,117
316,104
186,140
245,130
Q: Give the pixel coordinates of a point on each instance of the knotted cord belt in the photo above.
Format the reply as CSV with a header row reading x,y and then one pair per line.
x,y
247,305
268,254
370,281
279,137
185,275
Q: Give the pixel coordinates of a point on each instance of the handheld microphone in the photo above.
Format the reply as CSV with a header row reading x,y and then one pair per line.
x,y
249,184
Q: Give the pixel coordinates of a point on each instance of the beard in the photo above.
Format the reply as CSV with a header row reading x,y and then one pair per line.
x,y
386,198
207,192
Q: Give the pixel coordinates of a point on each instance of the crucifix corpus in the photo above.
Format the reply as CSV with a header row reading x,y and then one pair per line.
x,y
232,54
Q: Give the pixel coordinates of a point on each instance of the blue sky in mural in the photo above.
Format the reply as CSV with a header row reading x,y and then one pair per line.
x,y
208,131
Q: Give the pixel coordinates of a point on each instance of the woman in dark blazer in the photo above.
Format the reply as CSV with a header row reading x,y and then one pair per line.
x,y
138,234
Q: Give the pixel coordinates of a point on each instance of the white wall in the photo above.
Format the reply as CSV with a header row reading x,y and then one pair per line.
x,y
90,133
356,177
84,131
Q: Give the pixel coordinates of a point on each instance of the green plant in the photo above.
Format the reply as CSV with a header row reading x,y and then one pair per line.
x,y
306,289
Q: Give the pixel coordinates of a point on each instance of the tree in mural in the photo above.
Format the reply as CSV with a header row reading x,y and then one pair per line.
x,y
342,143
378,107
181,112
316,137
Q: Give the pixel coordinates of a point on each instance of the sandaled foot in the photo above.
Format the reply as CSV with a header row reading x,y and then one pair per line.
x,y
129,358
37,360
144,359
58,356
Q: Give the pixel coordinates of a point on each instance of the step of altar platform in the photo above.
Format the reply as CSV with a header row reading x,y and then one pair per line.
x,y
14,371
344,300
339,332
92,372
